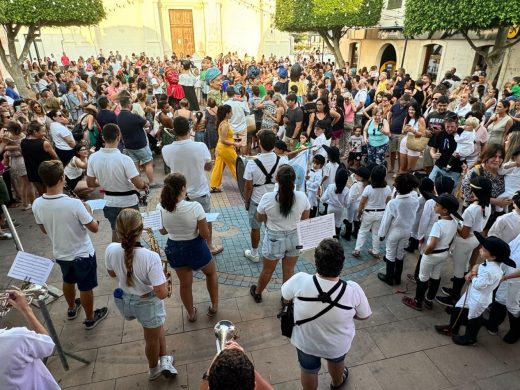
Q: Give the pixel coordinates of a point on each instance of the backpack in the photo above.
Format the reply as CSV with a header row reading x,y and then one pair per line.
x,y
78,131
368,100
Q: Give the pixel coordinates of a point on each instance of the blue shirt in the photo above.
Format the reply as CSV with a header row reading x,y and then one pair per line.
x,y
12,93
375,137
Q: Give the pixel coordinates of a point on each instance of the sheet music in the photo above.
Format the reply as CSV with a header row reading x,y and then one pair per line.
x,y
152,219
97,204
31,268
211,217
312,231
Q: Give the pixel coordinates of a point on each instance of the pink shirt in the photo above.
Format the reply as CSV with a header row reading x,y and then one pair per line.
x,y
349,112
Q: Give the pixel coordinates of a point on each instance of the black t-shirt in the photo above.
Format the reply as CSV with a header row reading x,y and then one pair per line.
x,y
435,121
445,144
104,117
131,126
398,116
308,109
294,115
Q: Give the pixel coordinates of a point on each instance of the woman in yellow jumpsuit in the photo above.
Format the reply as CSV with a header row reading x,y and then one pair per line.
x,y
225,151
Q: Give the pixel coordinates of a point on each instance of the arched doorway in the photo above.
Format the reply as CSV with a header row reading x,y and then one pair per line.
x,y
432,59
388,60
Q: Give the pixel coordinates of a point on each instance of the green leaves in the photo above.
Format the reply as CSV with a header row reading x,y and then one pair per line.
x,y
469,15
59,13
314,15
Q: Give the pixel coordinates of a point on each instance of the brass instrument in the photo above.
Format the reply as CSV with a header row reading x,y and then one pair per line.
x,y
224,331
154,246
31,291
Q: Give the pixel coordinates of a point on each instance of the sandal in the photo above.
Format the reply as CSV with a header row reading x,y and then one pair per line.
x,y
413,303
345,378
6,236
256,297
356,253
374,254
211,311
218,249
215,190
193,318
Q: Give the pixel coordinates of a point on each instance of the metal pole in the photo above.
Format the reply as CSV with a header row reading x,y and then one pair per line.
x,y
10,223
404,51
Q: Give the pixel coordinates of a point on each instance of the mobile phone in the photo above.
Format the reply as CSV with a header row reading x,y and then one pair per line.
x,y
17,109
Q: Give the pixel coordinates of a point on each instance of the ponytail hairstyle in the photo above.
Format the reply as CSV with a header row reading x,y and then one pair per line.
x,y
341,180
222,112
285,176
129,226
482,187
174,183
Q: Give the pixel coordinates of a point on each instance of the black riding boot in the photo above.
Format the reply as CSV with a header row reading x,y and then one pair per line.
x,y
472,328
513,335
413,245
433,288
338,231
348,230
497,315
458,284
357,225
388,277
398,271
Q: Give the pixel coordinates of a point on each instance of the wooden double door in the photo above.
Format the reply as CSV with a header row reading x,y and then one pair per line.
x,y
181,28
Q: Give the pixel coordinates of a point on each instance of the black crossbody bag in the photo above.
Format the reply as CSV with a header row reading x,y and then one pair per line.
x,y
286,315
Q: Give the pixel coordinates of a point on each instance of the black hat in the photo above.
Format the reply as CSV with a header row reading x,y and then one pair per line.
x,y
444,184
497,247
450,203
332,153
363,172
482,187
279,144
378,173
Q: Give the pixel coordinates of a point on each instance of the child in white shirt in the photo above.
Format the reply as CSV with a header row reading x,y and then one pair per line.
x,y
313,183
511,172
356,143
336,196
465,146
360,179
320,140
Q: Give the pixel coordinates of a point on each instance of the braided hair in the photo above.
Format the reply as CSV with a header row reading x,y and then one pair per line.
x,y
129,226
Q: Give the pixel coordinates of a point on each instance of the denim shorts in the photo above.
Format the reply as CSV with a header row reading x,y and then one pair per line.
x,y
200,136
253,222
312,364
142,155
193,254
111,213
81,271
278,244
148,311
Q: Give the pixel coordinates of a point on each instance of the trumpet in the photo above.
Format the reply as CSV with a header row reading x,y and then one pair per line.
x,y
224,331
31,291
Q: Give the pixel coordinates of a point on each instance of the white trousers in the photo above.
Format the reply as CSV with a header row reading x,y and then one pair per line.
x,y
338,215
396,241
369,223
508,294
461,252
431,266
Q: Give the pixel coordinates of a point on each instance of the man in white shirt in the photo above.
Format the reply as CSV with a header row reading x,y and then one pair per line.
x,y
22,350
359,101
238,119
507,226
66,221
117,174
192,159
257,183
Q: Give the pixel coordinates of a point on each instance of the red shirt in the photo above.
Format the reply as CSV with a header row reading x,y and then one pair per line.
x,y
65,60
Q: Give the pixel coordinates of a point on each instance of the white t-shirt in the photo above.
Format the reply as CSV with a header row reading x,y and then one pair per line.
x,y
444,230
181,225
329,171
189,157
507,227
147,269
113,171
329,336
252,172
473,218
275,220
238,119
21,354
318,143
376,197
64,219
58,133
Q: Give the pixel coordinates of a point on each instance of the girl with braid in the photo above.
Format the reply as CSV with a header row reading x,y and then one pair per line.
x,y
142,288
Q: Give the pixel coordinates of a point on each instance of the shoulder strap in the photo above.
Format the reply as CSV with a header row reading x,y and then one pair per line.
x,y
328,308
268,175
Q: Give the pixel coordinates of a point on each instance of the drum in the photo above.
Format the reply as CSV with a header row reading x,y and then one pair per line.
x,y
240,165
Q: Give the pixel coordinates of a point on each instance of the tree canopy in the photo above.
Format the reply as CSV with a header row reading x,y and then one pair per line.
x,y
51,13
469,15
315,15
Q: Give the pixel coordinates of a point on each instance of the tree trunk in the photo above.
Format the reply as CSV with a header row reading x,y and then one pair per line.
x,y
332,41
19,80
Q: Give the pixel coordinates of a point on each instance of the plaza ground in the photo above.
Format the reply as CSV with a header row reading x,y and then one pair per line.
x,y
397,348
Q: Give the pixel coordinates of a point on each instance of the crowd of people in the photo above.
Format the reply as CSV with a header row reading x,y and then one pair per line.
x,y
417,166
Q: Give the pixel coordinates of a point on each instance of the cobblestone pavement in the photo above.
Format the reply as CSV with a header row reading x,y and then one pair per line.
x,y
396,348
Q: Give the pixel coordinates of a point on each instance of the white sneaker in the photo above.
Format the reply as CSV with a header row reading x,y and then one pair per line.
x,y
166,366
249,255
154,373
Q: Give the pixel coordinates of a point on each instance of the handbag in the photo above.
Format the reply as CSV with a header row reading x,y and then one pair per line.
x,y
286,315
251,123
417,144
